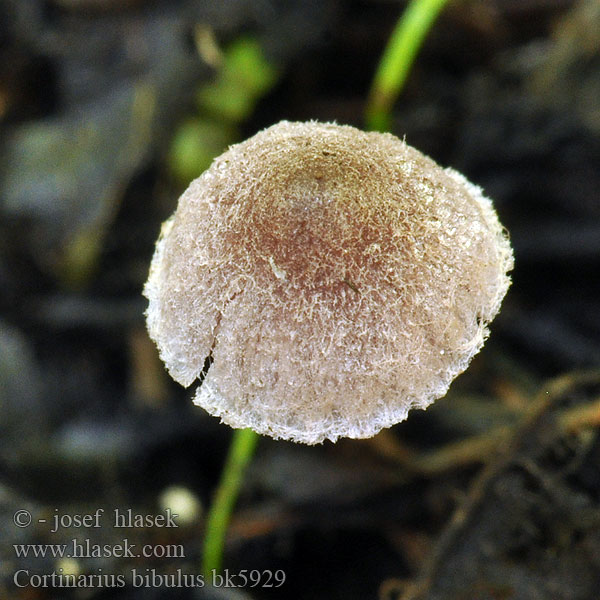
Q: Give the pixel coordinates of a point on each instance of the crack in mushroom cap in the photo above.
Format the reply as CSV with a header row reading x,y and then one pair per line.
x,y
337,278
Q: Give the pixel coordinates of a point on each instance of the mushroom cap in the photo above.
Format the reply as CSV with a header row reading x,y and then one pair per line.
x,y
336,278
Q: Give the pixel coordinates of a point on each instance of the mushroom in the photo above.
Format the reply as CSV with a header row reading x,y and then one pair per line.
x,y
336,279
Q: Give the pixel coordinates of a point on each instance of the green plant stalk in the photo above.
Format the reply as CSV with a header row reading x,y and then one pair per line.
x,y
240,453
397,59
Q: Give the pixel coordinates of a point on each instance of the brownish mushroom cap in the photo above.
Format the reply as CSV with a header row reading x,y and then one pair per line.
x,y
337,279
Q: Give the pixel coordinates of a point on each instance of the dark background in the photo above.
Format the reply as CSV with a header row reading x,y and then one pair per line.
x,y
102,104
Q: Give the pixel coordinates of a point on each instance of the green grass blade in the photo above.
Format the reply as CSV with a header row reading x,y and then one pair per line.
x,y
240,453
397,59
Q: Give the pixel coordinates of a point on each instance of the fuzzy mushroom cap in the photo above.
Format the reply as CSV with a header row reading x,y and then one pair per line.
x,y
337,279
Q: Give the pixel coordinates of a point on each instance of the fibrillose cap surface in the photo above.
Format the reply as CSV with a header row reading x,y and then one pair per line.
x,y
337,279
